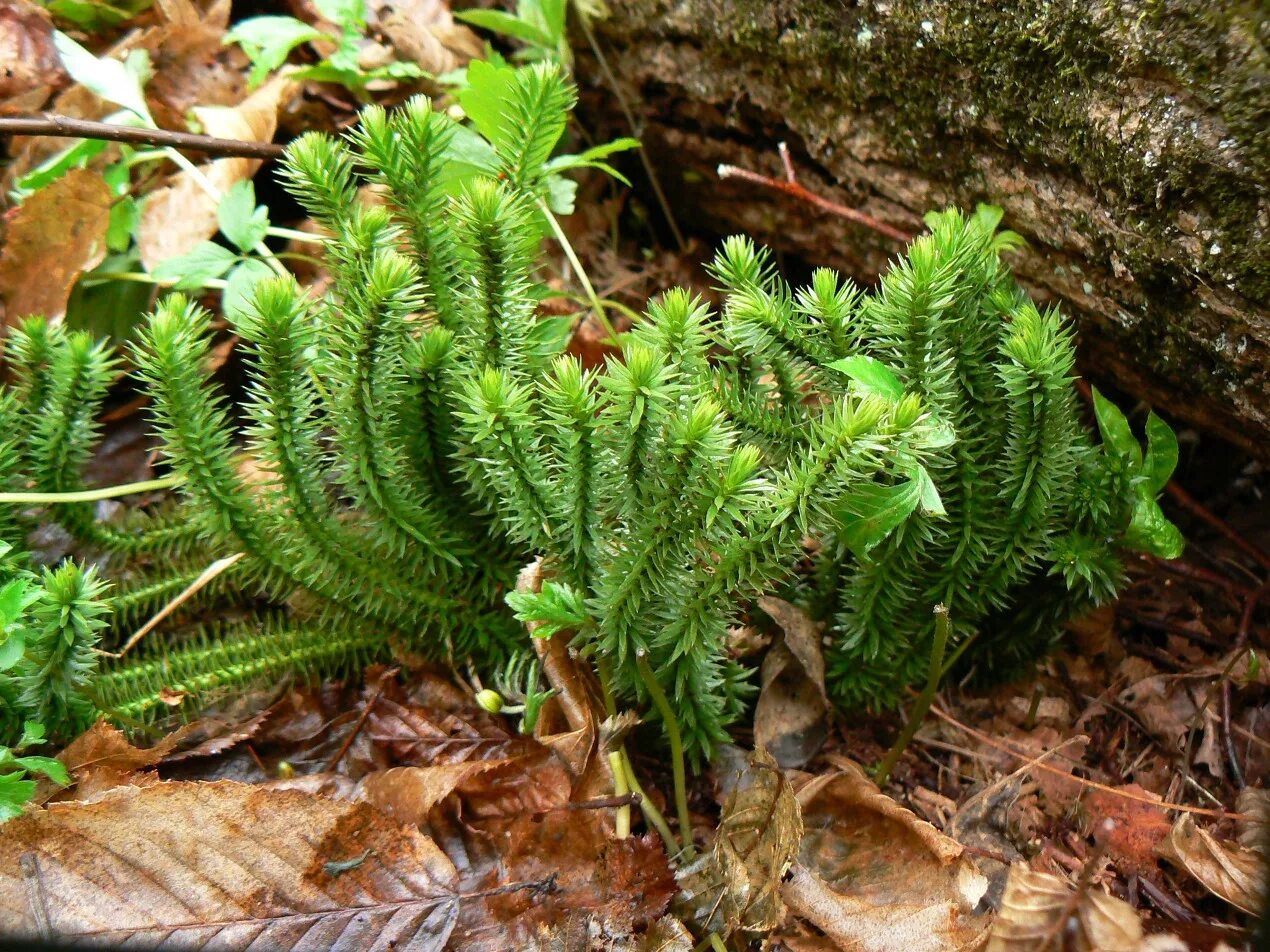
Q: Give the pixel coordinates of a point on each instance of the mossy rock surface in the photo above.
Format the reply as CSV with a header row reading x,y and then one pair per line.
x,y
1128,142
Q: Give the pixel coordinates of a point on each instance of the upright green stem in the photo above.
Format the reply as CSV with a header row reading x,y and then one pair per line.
x,y
676,751
943,628
596,304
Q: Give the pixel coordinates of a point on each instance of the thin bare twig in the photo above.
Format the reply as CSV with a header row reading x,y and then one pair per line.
x,y
789,185
66,127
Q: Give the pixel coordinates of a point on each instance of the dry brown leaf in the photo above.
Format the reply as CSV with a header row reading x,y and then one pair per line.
x,y
1138,829
1227,870
1254,828
790,719
179,216
424,32
737,884
52,238
224,865
1042,909
667,934
408,794
101,759
873,876
29,65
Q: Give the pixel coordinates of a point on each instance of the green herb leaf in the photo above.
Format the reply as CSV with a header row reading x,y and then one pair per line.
x,y
1150,531
15,793
109,78
205,262
1161,458
125,216
50,767
499,21
1117,436
240,284
873,511
241,220
871,375
555,608
269,40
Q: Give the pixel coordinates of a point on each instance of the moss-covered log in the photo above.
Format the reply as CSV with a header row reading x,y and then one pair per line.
x,y
1128,141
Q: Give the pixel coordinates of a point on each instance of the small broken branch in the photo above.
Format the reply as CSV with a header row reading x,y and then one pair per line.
x,y
791,187
66,127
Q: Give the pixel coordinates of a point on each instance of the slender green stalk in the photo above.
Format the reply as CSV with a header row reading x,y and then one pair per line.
x,y
93,495
652,815
676,751
943,628
596,304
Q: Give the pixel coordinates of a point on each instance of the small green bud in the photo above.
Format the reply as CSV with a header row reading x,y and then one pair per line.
x,y
490,700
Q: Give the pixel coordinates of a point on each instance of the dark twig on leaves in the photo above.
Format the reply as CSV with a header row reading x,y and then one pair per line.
x,y
791,187
46,124
1202,512
596,803
1241,643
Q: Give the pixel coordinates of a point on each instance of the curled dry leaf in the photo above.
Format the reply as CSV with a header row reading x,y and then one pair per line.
x,y
424,32
1254,828
790,720
1043,911
737,884
52,238
101,759
179,216
1227,870
873,876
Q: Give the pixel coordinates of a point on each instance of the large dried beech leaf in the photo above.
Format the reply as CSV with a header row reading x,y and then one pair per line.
x,y
1039,908
224,866
52,238
737,884
790,719
177,217
29,64
873,876
1233,872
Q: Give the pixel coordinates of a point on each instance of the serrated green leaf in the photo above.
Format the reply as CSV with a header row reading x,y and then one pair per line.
x,y
1150,531
52,170
33,732
873,511
205,262
561,194
871,375
47,766
347,14
1117,436
241,220
15,597
1161,456
499,21
553,609
110,79
240,284
12,646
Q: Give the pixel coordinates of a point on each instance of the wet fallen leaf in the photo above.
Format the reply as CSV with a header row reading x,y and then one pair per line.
x,y
408,794
1040,910
424,32
790,719
737,884
52,238
872,876
177,217
1227,870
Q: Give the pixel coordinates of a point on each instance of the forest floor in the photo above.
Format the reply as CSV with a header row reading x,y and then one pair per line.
x,y
1121,782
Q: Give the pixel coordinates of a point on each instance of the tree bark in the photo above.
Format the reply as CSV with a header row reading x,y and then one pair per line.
x,y
1128,142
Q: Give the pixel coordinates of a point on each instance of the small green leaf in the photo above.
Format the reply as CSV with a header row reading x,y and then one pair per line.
x,y
125,216
239,285
49,767
873,511
346,14
15,793
241,220
15,597
871,375
927,493
33,732
1117,436
1161,458
499,21
561,194
485,99
50,171
110,79
269,40
205,262
555,608
1150,531
12,646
